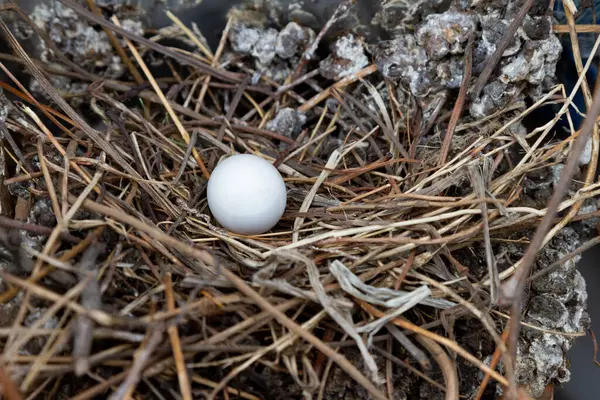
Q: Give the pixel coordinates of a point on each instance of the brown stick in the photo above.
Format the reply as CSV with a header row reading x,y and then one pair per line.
x,y
11,391
460,101
452,345
493,364
579,28
446,365
115,43
310,50
36,229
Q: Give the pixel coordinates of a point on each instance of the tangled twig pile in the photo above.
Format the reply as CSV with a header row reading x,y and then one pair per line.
x,y
413,193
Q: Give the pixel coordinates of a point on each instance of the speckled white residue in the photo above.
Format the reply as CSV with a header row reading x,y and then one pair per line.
x,y
478,109
244,38
133,26
586,155
543,60
445,33
515,71
264,49
64,28
556,171
288,122
43,14
291,40
349,48
78,40
347,58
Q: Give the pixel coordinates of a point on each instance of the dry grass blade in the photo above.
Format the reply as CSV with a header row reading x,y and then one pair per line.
x,y
479,183
460,101
182,375
91,299
331,164
244,288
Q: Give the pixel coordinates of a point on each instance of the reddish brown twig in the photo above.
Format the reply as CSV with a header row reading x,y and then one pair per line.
x,y
10,390
35,229
595,343
460,101
493,363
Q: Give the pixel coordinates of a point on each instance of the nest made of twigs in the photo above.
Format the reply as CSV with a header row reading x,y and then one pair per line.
x,y
140,293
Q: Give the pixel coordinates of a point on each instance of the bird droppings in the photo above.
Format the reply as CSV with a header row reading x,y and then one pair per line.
x,y
292,40
548,311
347,57
492,31
531,58
397,16
243,38
586,154
451,73
446,33
288,122
275,53
263,49
403,60
76,39
495,95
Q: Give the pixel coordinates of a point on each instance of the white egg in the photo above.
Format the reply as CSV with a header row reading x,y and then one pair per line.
x,y
246,194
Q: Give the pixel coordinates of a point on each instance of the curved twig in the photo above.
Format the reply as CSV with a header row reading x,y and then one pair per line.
x,y
447,366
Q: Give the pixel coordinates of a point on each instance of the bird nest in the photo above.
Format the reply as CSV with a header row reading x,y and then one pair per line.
x,y
401,267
